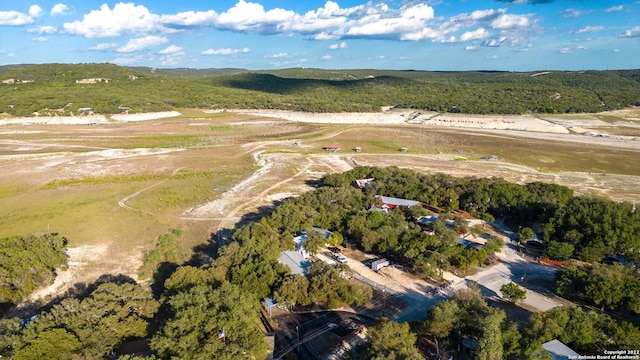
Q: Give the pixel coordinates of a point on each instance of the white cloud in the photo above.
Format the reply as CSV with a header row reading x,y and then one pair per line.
x,y
327,57
252,17
104,46
142,43
325,36
43,30
588,29
172,55
190,18
59,9
124,18
41,39
495,42
614,8
477,34
631,33
572,13
277,56
14,18
342,45
470,48
509,21
570,49
225,51
171,49
35,11
411,21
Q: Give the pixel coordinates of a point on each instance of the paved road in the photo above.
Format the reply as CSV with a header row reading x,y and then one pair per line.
x,y
535,278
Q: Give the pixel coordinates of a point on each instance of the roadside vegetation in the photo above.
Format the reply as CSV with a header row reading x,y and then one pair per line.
x,y
52,89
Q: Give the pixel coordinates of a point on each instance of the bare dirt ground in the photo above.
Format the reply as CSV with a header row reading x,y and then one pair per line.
x,y
281,174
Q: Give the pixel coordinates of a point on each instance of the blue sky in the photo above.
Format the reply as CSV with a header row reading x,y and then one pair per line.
x,y
511,35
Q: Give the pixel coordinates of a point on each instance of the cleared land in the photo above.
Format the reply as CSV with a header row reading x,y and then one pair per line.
x,y
112,188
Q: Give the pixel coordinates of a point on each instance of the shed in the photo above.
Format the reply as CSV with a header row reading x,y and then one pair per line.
x,y
379,264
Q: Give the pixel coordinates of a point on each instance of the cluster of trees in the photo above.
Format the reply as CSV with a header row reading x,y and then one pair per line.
x,y
587,332
27,262
312,90
87,328
324,284
596,227
585,227
469,316
613,287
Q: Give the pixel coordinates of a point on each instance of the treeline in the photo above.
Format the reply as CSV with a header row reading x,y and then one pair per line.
x,y
51,89
28,262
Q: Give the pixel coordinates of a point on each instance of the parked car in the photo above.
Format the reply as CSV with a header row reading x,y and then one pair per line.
x,y
341,259
335,250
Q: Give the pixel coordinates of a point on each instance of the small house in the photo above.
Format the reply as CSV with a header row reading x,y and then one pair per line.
x,y
559,351
392,203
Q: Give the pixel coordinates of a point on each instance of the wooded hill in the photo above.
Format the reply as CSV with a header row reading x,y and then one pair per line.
x,y
52,89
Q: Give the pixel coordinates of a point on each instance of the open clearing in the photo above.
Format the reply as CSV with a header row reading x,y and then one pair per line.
x,y
113,186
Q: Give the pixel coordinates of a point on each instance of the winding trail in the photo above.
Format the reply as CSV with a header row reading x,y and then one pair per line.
x,y
123,202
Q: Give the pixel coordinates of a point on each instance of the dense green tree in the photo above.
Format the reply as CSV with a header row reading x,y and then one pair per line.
x,y
328,286
586,332
525,233
603,285
52,344
110,315
27,262
558,251
596,227
211,323
315,241
388,340
293,290
513,292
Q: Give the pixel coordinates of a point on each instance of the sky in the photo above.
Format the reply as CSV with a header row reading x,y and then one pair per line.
x,y
441,35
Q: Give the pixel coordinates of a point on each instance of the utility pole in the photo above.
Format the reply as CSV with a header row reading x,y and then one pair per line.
x,y
384,300
298,337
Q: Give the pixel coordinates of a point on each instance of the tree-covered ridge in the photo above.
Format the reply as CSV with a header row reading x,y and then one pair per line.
x,y
52,89
27,262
